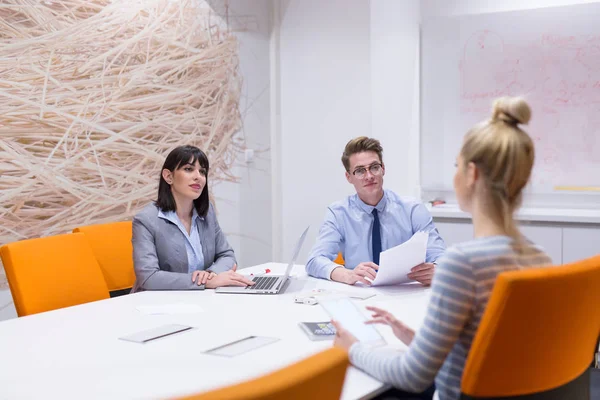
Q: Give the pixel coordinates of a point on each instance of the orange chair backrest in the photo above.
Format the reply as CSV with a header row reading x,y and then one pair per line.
x,y
340,259
538,331
52,272
111,244
318,377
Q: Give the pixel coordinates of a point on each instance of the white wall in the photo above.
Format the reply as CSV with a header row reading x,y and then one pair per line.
x,y
348,68
245,207
394,55
325,99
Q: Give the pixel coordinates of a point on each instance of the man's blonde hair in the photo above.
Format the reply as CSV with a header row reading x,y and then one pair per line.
x,y
359,145
504,155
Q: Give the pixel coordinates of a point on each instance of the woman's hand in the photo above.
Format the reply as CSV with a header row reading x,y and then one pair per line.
x,y
343,338
229,278
201,277
402,332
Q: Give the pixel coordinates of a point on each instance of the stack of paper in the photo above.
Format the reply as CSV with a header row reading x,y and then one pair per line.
x,y
396,263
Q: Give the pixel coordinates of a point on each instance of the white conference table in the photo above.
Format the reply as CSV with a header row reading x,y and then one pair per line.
x,y
75,353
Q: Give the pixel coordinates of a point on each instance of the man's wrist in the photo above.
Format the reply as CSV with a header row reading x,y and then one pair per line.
x,y
339,275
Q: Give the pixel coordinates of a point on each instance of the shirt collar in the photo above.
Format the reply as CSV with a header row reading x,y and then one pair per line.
x,y
172,215
369,209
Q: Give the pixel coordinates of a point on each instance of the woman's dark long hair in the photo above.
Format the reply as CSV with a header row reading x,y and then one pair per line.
x,y
177,158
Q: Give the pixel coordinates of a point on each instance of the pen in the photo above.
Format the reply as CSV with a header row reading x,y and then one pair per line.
x,y
267,271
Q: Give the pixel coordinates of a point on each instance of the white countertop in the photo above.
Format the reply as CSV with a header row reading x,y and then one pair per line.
x,y
574,215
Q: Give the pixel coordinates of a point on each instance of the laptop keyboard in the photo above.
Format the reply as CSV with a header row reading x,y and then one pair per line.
x,y
263,283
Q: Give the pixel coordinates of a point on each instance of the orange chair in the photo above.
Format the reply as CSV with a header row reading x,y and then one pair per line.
x,y
111,244
52,272
537,336
340,259
318,377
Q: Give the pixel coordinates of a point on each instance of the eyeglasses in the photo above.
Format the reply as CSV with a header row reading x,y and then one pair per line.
x,y
374,169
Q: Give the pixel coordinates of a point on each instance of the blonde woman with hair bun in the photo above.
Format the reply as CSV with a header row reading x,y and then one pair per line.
x,y
494,165
492,168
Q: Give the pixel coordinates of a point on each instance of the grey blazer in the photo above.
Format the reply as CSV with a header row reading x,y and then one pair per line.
x,y
159,255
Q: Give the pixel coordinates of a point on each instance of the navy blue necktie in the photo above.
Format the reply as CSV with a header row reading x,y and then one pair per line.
x,y
376,237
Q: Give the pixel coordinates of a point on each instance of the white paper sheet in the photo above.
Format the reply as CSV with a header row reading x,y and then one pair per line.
x,y
396,263
327,294
242,346
170,309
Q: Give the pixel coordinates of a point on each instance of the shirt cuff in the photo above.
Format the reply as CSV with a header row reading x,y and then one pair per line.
x,y
329,269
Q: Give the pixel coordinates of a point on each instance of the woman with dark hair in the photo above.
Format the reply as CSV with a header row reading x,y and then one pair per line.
x,y
177,241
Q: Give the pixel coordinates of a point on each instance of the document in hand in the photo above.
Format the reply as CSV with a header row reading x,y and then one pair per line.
x,y
395,263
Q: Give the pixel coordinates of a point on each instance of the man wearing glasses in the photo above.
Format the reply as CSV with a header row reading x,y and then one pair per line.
x,y
368,222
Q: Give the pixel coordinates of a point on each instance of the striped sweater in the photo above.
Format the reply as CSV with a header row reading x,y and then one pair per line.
x,y
461,287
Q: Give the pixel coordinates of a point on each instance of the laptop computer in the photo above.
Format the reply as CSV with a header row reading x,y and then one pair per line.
x,y
268,284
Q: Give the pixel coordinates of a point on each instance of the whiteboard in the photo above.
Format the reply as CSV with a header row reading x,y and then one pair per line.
x,y
550,55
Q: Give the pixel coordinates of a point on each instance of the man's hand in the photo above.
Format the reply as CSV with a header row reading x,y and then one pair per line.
x,y
364,272
228,278
422,273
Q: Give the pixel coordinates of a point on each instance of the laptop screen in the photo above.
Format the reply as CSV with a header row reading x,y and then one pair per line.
x,y
288,270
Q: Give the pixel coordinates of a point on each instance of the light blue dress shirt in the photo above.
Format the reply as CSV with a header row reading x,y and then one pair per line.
x,y
349,223
193,246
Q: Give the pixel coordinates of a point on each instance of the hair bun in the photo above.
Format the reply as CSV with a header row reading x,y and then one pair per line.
x,y
512,110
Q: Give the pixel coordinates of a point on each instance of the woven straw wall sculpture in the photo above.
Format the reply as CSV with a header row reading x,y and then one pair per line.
x,y
95,93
